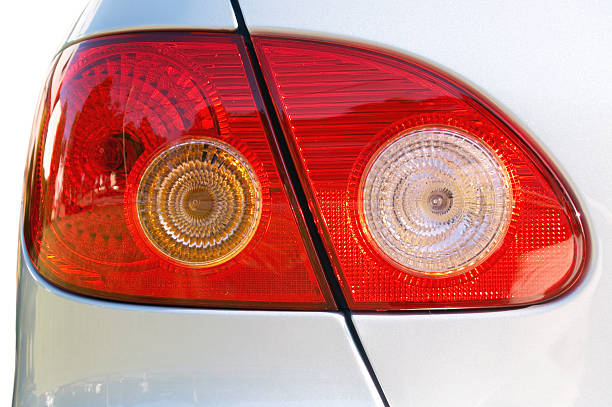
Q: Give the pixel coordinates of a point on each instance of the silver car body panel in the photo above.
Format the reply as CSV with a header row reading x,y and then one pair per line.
x,y
547,64
111,16
74,351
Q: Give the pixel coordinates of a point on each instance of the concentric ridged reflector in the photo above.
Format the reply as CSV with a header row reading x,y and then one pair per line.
x,y
436,200
199,202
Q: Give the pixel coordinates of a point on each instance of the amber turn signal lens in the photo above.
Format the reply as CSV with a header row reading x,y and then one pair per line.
x,y
199,202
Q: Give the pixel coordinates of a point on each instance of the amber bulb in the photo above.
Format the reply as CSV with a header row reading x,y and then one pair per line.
x,y
199,202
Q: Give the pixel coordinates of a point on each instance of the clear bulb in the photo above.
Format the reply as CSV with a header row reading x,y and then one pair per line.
x,y
436,201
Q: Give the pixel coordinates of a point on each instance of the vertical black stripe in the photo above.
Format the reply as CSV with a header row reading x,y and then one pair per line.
x,y
301,198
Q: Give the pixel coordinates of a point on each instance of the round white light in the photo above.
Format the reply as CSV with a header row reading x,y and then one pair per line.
x,y
436,201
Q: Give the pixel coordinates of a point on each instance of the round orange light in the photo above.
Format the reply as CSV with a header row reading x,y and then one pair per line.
x,y
199,202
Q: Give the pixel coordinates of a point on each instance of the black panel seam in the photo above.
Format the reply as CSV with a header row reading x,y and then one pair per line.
x,y
294,178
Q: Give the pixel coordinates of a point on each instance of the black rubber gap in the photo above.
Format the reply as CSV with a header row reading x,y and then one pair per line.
x,y
332,280
289,164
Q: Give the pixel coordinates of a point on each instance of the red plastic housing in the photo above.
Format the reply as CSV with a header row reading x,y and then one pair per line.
x,y
113,103
338,104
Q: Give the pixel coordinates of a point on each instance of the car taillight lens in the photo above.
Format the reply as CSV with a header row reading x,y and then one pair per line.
x,y
425,196
154,178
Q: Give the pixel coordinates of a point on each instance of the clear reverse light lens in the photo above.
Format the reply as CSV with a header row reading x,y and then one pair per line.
x,y
436,201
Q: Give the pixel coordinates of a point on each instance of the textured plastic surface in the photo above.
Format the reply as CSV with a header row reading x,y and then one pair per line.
x,y
339,104
549,69
112,105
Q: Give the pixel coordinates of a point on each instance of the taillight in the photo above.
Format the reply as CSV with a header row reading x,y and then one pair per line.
x,y
155,179
425,196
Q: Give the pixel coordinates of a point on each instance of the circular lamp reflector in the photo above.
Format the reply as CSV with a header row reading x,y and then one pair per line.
x,y
436,201
199,202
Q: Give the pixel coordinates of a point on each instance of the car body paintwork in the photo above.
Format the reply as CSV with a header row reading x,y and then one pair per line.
x,y
545,64
77,351
112,16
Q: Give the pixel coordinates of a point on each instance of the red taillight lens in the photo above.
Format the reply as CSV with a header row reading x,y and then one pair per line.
x,y
154,180
424,196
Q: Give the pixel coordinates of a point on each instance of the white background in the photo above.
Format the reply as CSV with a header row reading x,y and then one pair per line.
x,y
31,33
